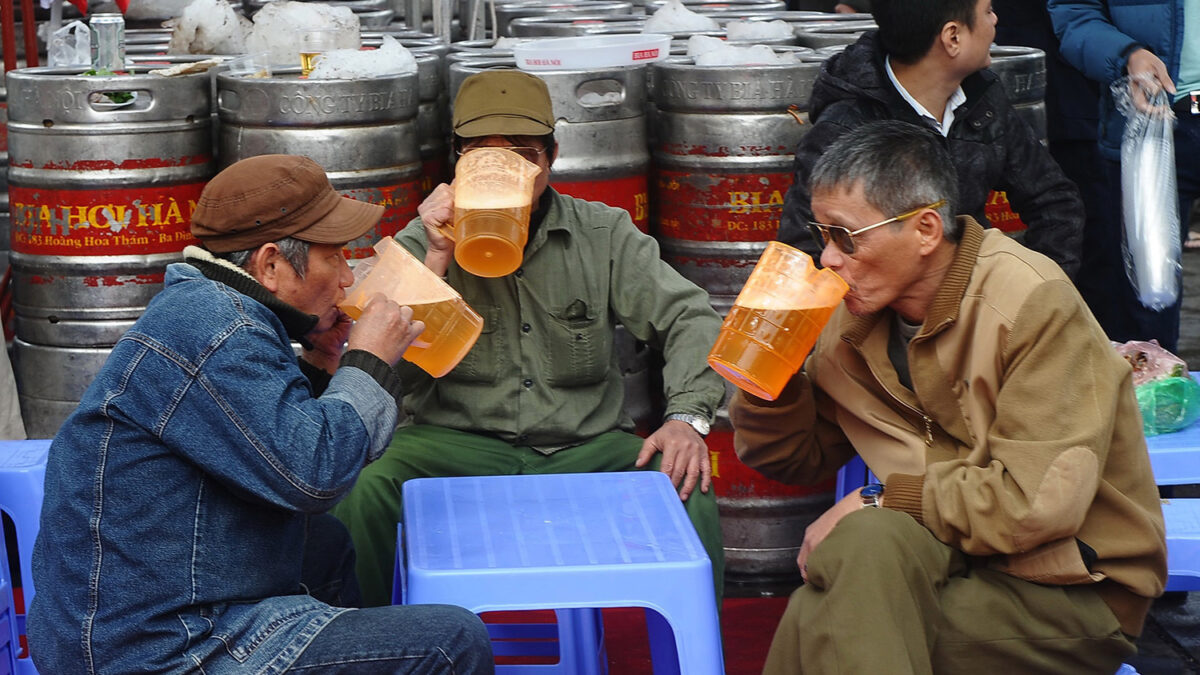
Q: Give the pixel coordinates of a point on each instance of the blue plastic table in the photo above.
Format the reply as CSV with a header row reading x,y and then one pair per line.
x,y
565,541
1175,457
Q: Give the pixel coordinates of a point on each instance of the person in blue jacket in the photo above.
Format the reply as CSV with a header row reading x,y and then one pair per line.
x,y
1159,40
184,528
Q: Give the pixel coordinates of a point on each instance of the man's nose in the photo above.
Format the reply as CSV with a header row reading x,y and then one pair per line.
x,y
831,256
345,275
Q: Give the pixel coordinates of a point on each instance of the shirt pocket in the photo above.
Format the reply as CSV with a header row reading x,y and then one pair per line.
x,y
580,346
479,365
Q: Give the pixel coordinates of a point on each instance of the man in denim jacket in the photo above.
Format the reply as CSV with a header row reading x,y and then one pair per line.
x,y
184,525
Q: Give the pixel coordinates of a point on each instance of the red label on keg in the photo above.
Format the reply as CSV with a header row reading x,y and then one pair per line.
x,y
719,207
399,204
139,221
629,193
643,54
734,480
1000,214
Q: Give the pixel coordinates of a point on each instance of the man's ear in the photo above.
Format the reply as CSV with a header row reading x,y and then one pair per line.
x,y
264,266
929,228
950,38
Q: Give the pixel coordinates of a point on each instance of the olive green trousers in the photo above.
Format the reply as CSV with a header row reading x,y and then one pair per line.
x,y
373,507
885,596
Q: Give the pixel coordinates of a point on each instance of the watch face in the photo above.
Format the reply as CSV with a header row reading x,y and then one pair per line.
x,y
872,490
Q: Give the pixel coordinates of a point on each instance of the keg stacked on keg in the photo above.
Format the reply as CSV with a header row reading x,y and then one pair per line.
x,y
363,132
723,156
600,131
101,195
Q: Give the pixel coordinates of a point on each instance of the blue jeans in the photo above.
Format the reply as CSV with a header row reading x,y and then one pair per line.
x,y
418,639
415,639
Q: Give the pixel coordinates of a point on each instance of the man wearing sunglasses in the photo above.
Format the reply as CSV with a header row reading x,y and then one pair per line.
x,y
1018,527
541,391
927,64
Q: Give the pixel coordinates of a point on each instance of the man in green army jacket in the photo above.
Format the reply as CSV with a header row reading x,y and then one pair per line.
x,y
541,391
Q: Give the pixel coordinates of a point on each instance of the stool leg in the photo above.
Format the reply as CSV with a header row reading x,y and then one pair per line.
x,y
663,652
581,641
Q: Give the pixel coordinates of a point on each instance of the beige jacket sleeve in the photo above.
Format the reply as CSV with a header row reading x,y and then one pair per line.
x,y
786,439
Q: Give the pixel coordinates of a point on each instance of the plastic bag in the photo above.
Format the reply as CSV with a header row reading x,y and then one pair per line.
x,y
1168,404
71,45
1150,203
1150,361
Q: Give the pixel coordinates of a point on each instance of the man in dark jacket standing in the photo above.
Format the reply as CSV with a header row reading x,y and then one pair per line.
x,y
927,65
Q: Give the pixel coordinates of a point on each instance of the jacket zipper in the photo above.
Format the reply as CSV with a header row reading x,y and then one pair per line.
x,y
924,418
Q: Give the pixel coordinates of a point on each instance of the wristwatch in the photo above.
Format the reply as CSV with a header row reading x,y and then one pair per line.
x,y
696,422
872,495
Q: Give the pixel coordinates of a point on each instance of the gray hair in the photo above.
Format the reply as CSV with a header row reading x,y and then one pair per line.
x,y
293,250
900,166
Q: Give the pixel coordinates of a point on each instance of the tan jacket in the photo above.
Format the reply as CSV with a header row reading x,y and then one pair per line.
x,y
1022,435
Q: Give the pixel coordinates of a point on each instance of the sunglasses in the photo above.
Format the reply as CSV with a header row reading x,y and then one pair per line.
x,y
844,238
527,153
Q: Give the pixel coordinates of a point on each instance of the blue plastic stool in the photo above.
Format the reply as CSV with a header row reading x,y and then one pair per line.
x,y
22,476
576,638
9,645
851,476
566,542
1182,518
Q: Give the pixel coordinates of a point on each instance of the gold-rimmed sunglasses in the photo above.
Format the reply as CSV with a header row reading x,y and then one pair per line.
x,y
843,238
528,153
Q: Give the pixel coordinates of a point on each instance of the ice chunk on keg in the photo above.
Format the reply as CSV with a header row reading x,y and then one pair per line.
x,y
733,55
757,30
277,28
699,44
348,64
209,27
155,9
675,18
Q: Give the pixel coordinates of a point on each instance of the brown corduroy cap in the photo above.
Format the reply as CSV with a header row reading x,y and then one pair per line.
x,y
266,198
503,103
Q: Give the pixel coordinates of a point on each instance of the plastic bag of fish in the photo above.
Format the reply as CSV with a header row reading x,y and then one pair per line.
x,y
1150,203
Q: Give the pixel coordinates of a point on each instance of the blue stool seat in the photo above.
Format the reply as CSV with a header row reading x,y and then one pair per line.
x,y
567,542
22,476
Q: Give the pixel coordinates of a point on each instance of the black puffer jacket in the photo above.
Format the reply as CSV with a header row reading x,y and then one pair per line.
x,y
993,149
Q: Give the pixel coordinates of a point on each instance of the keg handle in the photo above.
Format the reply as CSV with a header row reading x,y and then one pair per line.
x,y
599,93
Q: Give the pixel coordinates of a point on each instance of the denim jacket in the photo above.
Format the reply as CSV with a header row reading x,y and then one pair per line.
x,y
179,493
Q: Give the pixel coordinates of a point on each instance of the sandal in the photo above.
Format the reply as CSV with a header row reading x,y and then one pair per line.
x,y
1192,243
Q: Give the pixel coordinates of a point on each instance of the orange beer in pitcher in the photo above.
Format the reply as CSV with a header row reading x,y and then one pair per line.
x,y
493,195
451,326
775,321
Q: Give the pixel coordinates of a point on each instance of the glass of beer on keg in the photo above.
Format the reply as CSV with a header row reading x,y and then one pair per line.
x,y
313,43
775,321
493,192
451,326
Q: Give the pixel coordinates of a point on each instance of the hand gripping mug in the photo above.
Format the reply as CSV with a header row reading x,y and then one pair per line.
x,y
493,193
451,326
775,321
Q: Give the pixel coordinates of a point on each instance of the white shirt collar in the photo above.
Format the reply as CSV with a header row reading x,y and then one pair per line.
x,y
958,98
